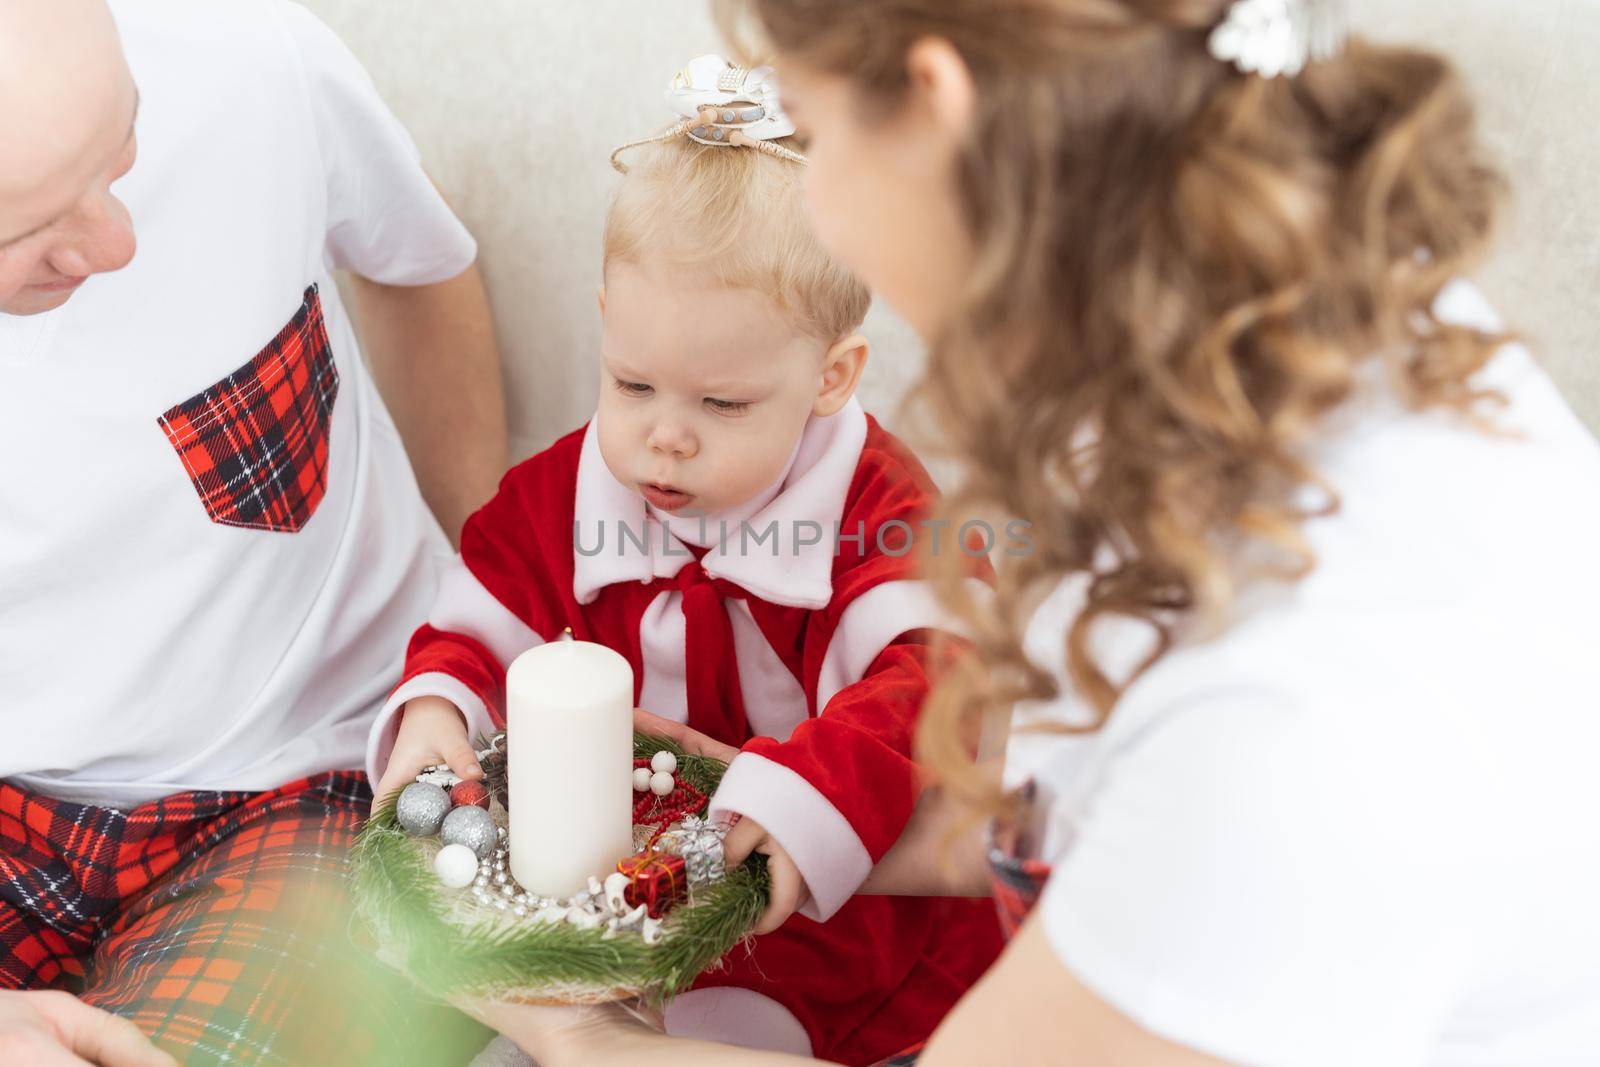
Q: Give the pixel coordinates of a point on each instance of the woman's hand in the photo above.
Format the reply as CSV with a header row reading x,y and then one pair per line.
x,y
54,1029
612,1033
432,730
557,1035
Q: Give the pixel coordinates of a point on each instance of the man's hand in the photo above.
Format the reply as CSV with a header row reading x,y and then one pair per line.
x,y
52,1029
432,730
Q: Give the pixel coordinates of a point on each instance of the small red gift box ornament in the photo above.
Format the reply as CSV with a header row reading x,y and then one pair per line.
x,y
655,879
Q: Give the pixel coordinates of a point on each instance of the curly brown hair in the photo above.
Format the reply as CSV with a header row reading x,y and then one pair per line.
x,y
1179,269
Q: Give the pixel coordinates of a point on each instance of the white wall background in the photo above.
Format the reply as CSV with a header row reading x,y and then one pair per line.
x,y
516,105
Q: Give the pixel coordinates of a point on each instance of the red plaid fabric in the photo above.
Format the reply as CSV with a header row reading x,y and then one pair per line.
x,y
1017,885
1017,882
256,443
217,922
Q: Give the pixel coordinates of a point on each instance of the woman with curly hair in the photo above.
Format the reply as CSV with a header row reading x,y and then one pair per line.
x,y
1299,672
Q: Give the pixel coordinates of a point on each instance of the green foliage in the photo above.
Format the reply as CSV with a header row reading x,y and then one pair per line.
x,y
408,909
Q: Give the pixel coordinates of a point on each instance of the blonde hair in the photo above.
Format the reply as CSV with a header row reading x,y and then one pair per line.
x,y
1178,271
739,216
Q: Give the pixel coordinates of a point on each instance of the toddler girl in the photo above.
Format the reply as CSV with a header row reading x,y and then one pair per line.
x,y
734,523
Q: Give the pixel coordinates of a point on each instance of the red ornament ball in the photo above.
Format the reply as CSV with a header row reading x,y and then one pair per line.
x,y
469,792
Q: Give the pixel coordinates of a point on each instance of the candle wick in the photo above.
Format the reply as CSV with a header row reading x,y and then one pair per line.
x,y
566,635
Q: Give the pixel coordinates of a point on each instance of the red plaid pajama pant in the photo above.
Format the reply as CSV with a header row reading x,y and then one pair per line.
x,y
219,923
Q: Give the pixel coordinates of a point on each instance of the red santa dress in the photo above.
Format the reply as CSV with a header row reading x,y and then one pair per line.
x,y
796,629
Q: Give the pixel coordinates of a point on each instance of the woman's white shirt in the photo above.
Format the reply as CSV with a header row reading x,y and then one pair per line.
x,y
1361,825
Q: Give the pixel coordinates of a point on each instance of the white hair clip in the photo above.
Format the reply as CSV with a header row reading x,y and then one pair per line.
x,y
1273,37
724,106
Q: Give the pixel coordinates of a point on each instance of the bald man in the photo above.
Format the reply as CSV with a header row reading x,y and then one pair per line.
x,y
213,546
59,222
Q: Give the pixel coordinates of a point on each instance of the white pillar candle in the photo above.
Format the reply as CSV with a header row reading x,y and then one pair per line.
x,y
569,748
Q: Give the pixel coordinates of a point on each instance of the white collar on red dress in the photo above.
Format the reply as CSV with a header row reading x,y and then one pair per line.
x,y
782,568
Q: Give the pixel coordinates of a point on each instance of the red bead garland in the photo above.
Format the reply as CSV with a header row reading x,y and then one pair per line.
x,y
661,812
656,879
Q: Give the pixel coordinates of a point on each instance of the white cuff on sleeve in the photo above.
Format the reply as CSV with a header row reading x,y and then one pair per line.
x,y
821,841
381,738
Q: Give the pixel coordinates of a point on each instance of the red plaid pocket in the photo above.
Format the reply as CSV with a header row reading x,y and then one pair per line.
x,y
256,443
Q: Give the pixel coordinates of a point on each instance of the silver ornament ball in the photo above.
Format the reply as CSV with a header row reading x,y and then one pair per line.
x,y
471,826
422,808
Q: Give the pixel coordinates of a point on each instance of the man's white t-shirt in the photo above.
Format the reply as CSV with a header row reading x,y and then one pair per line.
x,y
212,546
1361,826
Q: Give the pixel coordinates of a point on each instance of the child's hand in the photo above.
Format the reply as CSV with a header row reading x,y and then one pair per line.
x,y
432,730
788,887
686,738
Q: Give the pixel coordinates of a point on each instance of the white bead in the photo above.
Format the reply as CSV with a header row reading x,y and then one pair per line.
x,y
641,779
664,761
661,783
456,866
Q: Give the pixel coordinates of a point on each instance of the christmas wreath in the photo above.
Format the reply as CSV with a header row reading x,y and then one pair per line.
x,y
431,881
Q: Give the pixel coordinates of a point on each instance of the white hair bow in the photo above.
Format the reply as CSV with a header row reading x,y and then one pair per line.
x,y
724,105
1273,37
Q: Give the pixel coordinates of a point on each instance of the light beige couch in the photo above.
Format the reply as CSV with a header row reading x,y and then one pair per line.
x,y
516,105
